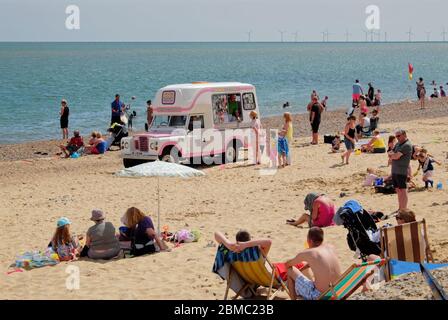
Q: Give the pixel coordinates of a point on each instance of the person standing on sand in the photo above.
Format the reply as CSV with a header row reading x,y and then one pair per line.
x,y
289,133
421,92
357,91
401,158
323,262
64,118
315,112
256,135
349,138
117,108
370,95
149,114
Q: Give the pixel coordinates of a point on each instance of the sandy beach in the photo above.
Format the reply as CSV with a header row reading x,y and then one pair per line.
x,y
37,189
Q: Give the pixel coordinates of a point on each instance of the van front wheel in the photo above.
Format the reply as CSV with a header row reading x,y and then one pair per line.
x,y
172,155
231,154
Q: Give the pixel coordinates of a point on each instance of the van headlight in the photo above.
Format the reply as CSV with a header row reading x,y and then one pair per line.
x,y
154,145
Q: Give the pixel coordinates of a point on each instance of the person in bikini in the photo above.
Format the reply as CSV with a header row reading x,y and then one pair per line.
x,y
324,268
321,211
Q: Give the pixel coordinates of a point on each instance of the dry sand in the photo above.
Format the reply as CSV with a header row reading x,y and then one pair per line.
x,y
35,192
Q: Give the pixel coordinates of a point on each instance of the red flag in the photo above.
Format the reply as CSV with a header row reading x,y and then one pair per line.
x,y
411,70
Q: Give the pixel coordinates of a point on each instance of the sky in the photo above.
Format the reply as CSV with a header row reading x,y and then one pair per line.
x,y
219,20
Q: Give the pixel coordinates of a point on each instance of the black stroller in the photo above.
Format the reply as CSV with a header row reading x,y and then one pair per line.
x,y
118,131
363,234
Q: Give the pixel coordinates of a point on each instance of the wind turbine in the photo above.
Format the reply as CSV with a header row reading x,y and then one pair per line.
x,y
347,35
249,35
367,34
444,33
428,36
281,34
378,34
296,35
324,34
410,34
372,33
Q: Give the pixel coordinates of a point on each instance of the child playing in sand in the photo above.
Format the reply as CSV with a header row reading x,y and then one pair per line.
x,y
426,163
370,177
336,144
63,243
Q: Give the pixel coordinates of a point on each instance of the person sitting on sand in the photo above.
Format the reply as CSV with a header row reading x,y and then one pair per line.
x,y
140,231
336,144
321,211
323,262
426,164
101,242
243,241
375,145
73,145
363,126
370,177
363,105
377,101
63,243
374,120
98,145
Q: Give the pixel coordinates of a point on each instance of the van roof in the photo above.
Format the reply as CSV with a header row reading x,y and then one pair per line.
x,y
203,84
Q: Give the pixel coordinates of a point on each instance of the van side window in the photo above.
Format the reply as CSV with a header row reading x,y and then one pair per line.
x,y
249,101
227,108
196,122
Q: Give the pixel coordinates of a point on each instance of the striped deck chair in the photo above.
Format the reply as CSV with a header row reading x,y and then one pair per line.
x,y
405,242
256,270
351,280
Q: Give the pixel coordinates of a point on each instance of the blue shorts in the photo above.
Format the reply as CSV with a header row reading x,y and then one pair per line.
x,y
349,144
306,288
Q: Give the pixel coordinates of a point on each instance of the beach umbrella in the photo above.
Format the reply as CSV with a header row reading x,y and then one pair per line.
x,y
159,169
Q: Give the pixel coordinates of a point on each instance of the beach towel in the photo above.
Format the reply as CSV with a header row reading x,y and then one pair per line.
x,y
282,271
222,265
399,268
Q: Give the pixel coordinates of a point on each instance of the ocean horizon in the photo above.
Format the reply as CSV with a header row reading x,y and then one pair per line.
x,y
35,76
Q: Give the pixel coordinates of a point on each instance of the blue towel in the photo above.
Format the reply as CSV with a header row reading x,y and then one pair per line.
x,y
398,267
224,255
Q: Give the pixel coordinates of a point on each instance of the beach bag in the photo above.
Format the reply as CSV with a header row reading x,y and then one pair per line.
x,y
387,188
328,138
184,236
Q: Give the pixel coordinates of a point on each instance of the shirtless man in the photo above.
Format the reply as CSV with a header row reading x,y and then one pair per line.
x,y
324,264
243,241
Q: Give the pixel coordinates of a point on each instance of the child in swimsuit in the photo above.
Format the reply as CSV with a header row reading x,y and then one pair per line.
x,y
336,144
426,163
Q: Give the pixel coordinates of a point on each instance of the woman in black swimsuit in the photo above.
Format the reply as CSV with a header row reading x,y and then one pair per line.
x,y
349,138
64,118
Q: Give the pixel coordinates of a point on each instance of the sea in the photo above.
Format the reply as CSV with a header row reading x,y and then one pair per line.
x,y
34,77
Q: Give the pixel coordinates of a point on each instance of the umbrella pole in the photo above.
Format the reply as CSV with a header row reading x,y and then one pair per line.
x,y
158,206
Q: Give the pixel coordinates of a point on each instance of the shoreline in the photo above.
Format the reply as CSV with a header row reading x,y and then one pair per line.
x,y
333,121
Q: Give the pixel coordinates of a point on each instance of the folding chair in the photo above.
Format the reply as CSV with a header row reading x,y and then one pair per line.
x,y
405,242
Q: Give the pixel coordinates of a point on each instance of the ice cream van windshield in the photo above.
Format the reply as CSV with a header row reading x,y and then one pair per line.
x,y
167,121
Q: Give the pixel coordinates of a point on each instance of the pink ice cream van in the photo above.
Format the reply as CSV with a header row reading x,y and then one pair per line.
x,y
199,121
